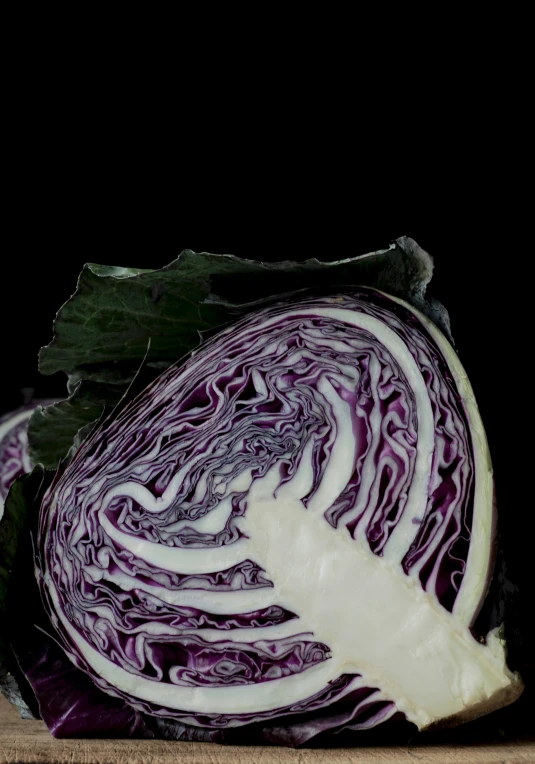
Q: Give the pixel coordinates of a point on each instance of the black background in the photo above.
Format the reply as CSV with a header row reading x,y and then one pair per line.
x,y
74,201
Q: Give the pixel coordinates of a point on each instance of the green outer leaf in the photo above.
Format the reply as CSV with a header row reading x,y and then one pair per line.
x,y
25,492
52,430
117,271
110,319
56,432
101,333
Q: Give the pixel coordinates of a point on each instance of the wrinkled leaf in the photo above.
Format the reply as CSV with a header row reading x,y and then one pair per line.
x,y
101,333
53,429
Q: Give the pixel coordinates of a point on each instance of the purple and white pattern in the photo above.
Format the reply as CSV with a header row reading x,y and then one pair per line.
x,y
299,514
14,457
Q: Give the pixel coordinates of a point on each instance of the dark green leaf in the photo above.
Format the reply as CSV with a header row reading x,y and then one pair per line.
x,y
101,333
52,430
110,319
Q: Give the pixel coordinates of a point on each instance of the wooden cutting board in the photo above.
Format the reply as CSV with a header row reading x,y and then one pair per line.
x,y
23,741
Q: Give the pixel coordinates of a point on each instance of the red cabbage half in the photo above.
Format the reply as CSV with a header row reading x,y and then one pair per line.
x,y
292,528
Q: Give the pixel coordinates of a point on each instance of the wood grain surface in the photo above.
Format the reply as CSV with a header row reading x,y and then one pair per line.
x,y
26,742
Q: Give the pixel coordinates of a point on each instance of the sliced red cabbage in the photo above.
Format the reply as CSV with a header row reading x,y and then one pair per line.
x,y
294,526
14,456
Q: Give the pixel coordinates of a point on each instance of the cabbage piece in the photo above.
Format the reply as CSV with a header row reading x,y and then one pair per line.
x,y
293,527
15,462
14,455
